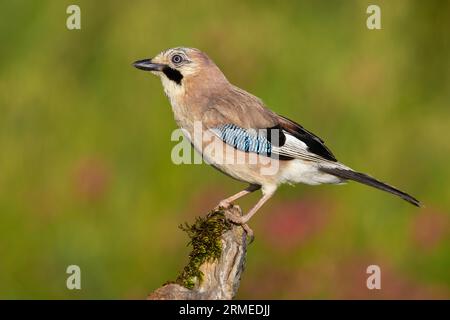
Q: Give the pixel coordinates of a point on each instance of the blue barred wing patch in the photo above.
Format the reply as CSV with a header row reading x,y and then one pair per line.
x,y
244,140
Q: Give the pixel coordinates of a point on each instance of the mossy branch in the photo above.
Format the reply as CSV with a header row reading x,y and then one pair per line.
x,y
205,237
215,263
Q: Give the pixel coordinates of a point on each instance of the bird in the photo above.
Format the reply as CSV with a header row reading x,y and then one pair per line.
x,y
242,127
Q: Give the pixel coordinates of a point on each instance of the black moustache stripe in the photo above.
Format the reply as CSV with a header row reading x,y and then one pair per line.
x,y
173,74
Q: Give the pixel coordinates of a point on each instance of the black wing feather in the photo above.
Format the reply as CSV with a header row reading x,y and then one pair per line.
x,y
314,143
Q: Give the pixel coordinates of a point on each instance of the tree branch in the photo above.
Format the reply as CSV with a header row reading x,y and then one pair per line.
x,y
216,261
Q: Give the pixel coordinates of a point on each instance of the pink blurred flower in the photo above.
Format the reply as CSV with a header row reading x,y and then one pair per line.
x,y
290,224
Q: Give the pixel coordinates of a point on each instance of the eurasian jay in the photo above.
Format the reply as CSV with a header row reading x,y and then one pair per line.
x,y
242,129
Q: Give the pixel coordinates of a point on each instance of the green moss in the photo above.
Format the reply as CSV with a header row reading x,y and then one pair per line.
x,y
205,238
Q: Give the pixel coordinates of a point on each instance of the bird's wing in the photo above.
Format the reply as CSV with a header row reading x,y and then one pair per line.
x,y
314,144
259,130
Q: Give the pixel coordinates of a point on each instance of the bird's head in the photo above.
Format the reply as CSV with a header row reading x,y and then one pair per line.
x,y
183,68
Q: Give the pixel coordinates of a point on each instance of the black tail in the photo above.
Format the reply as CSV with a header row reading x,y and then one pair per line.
x,y
368,180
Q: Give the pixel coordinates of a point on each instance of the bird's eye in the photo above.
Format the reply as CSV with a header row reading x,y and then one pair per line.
x,y
176,58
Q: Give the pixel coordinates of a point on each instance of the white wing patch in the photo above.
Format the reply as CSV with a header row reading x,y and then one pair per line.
x,y
296,148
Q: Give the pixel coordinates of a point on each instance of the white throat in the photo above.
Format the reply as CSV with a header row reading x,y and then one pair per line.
x,y
173,91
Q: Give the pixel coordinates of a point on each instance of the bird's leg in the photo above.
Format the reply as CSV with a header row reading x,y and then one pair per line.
x,y
244,219
226,203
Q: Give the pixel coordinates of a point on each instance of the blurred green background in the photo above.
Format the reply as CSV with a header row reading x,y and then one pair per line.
x,y
86,176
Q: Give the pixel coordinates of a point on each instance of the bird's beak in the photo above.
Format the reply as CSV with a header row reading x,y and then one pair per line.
x,y
148,65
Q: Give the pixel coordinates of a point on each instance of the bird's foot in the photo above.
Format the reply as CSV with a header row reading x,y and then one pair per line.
x,y
236,218
224,204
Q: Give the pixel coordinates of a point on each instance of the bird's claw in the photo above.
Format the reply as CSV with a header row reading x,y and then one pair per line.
x,y
237,219
234,217
225,204
249,232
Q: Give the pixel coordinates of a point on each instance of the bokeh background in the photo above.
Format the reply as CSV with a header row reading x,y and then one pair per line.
x,y
86,176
